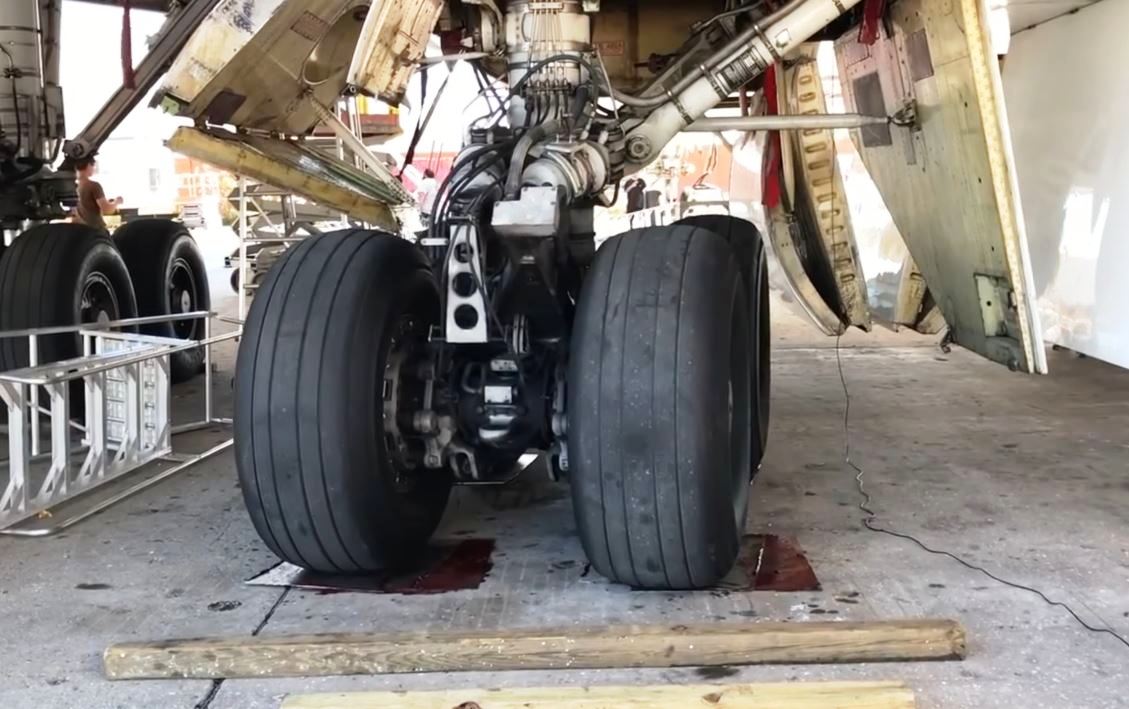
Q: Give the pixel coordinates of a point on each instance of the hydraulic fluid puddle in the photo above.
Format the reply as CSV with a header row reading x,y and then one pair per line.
x,y
767,562
453,566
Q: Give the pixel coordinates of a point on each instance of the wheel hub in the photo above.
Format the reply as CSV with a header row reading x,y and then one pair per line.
x,y
98,303
183,298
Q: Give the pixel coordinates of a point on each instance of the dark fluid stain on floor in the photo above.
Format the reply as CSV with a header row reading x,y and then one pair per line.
x,y
458,566
716,672
771,563
223,606
767,562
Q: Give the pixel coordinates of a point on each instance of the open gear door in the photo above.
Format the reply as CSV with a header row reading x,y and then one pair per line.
x,y
949,178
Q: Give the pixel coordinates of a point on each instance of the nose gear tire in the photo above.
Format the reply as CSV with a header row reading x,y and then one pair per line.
x,y
659,410
318,480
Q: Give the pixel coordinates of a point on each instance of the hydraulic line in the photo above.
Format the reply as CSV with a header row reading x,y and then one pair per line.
x,y
743,59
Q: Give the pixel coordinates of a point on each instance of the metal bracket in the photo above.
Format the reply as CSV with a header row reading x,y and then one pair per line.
x,y
466,306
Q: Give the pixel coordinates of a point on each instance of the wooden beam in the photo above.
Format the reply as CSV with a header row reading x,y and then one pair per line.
x,y
781,695
537,649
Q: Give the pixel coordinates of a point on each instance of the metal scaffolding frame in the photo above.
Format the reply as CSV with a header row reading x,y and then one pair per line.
x,y
127,423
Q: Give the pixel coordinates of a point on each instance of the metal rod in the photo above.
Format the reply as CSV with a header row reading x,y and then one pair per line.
x,y
242,277
194,426
797,122
358,148
114,499
33,361
113,362
64,329
776,35
465,56
208,370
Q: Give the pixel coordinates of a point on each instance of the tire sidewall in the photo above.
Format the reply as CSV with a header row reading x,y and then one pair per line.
x,y
150,248
104,260
332,406
183,247
745,241
701,319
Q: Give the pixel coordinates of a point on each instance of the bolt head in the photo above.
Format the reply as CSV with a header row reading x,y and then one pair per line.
x,y
638,148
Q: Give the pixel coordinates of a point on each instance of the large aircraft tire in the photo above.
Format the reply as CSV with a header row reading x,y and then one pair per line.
x,y
319,478
60,274
169,278
659,430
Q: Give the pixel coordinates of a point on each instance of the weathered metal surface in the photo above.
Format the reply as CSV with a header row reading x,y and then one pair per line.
x,y
262,64
635,37
819,189
215,43
292,166
785,247
392,41
949,181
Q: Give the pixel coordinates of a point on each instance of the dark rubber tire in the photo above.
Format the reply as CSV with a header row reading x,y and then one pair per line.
x,y
44,275
317,479
658,409
746,242
164,263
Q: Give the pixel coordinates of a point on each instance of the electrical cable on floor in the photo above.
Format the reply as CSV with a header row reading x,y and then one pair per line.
x,y
869,520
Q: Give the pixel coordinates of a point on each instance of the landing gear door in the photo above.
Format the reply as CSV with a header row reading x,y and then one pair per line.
x,y
948,175
392,41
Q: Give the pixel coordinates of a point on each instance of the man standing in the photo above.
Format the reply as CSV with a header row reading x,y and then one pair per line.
x,y
425,195
92,202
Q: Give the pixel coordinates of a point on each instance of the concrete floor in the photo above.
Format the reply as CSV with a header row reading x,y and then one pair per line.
x,y
1025,475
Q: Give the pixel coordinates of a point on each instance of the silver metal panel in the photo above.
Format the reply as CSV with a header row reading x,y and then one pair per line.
x,y
1068,103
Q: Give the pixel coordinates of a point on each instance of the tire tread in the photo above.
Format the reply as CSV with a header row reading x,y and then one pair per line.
x,y
648,515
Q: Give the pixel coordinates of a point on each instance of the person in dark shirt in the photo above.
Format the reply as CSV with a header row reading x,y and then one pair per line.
x,y
635,188
92,201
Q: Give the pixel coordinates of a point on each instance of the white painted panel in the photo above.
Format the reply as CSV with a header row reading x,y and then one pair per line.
x,y
1065,87
1025,14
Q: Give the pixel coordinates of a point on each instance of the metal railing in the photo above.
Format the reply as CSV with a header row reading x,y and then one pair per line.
x,y
127,423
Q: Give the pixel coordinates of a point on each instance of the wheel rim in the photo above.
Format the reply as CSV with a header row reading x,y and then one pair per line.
x,y
401,395
183,298
99,302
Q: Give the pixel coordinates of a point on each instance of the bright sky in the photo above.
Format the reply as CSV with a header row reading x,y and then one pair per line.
x,y
91,66
91,71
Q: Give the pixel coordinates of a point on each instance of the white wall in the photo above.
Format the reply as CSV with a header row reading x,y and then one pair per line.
x,y
1067,102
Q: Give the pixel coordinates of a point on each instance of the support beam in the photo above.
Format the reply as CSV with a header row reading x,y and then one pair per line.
x,y
148,5
537,649
767,695
797,122
287,165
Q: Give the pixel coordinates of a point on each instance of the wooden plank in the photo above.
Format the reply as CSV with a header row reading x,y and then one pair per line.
x,y
776,695
537,649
